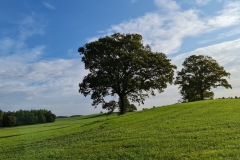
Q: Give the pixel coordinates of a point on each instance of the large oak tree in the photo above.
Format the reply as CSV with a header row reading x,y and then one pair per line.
x,y
198,76
121,65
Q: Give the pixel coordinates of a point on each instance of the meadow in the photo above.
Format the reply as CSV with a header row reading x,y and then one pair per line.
x,y
199,130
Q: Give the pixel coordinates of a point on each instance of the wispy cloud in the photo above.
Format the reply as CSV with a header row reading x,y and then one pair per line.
x,y
229,16
165,33
48,6
202,2
168,5
26,28
51,84
28,81
43,84
235,32
29,26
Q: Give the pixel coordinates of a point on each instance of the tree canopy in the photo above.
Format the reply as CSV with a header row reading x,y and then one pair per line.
x,y
121,65
198,76
25,117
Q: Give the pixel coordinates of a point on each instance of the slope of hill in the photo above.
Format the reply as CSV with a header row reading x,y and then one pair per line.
x,y
199,130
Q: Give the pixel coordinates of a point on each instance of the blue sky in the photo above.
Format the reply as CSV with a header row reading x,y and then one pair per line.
x,y
40,66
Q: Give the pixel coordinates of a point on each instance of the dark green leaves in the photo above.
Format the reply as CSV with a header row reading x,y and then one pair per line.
x,y
198,76
122,65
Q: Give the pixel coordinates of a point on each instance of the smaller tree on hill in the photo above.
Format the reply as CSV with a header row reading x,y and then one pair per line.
x,y
198,76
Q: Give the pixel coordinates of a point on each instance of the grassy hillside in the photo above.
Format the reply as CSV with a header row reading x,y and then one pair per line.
x,y
199,130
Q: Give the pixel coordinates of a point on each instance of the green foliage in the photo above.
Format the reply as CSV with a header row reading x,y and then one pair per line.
x,y
199,75
41,117
130,107
121,65
50,117
9,120
110,106
199,130
24,117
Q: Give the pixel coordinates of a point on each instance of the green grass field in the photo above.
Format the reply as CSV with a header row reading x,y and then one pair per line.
x,y
199,130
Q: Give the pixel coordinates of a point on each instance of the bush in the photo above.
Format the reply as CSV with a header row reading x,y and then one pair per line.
x,y
50,118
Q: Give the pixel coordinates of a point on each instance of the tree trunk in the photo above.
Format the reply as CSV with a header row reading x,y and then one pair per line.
x,y
122,105
202,95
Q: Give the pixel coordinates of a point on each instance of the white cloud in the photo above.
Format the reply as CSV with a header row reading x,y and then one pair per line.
x,y
29,82
29,27
202,2
26,28
5,44
229,16
51,84
165,33
235,32
168,5
49,6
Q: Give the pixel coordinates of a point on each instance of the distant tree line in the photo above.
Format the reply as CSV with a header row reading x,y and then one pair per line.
x,y
25,117
236,97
